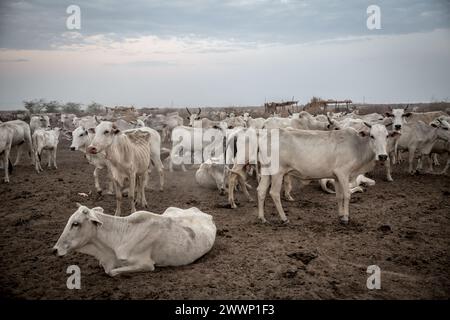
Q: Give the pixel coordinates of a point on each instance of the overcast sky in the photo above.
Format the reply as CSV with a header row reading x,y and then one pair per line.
x,y
221,53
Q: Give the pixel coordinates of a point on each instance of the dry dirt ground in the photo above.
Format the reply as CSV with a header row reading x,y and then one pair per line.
x,y
403,227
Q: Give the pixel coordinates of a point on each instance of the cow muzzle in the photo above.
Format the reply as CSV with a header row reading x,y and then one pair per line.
x,y
398,127
92,150
382,157
72,148
57,252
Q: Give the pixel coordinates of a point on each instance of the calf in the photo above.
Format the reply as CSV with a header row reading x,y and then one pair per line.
x,y
140,241
45,140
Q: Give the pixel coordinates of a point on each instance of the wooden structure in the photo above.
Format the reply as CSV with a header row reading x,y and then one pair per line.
x,y
317,105
279,107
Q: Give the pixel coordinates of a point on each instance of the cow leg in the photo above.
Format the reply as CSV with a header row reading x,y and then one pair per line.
x,y
262,191
6,164
387,164
131,192
19,154
447,165
411,153
244,188
287,182
96,182
160,168
436,160
54,158
140,266
49,157
141,191
343,196
110,183
118,189
231,185
275,190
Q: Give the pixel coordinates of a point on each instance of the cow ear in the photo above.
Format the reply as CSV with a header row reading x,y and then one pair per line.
x,y
91,130
434,125
362,133
388,114
92,216
408,114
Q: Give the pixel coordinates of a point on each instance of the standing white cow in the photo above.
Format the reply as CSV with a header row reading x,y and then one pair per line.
x,y
140,241
312,155
21,139
419,136
81,139
45,140
6,140
128,155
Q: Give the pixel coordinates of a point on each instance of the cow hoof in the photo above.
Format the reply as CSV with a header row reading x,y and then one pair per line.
x,y
389,180
263,220
343,220
233,206
285,222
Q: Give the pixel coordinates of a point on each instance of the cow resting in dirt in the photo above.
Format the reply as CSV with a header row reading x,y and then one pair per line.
x,y
140,241
211,174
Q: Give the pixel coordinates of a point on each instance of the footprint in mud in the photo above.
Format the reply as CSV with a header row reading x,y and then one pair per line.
x,y
304,256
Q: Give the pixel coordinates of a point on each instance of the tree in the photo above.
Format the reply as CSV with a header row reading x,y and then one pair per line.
x,y
95,108
52,106
34,106
72,107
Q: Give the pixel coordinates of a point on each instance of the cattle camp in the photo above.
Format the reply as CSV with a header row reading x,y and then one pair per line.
x,y
244,155
182,200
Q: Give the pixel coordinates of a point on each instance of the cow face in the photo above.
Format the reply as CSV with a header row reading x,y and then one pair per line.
x,y
246,116
103,138
399,116
79,230
80,139
192,117
378,140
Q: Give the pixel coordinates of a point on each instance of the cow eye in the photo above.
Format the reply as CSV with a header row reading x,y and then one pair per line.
x,y
82,134
75,224
372,136
106,132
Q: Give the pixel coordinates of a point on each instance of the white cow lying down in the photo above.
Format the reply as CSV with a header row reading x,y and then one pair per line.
x,y
139,241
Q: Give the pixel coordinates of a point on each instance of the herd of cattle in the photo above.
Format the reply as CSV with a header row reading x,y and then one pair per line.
x,y
336,150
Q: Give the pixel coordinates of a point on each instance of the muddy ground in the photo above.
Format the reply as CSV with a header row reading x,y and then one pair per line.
x,y
403,227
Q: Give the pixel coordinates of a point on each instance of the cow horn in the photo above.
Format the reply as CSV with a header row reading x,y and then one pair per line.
x,y
407,106
329,120
368,124
188,111
289,111
199,111
96,120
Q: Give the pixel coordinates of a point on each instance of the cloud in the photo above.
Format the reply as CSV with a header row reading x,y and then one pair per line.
x,y
41,24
